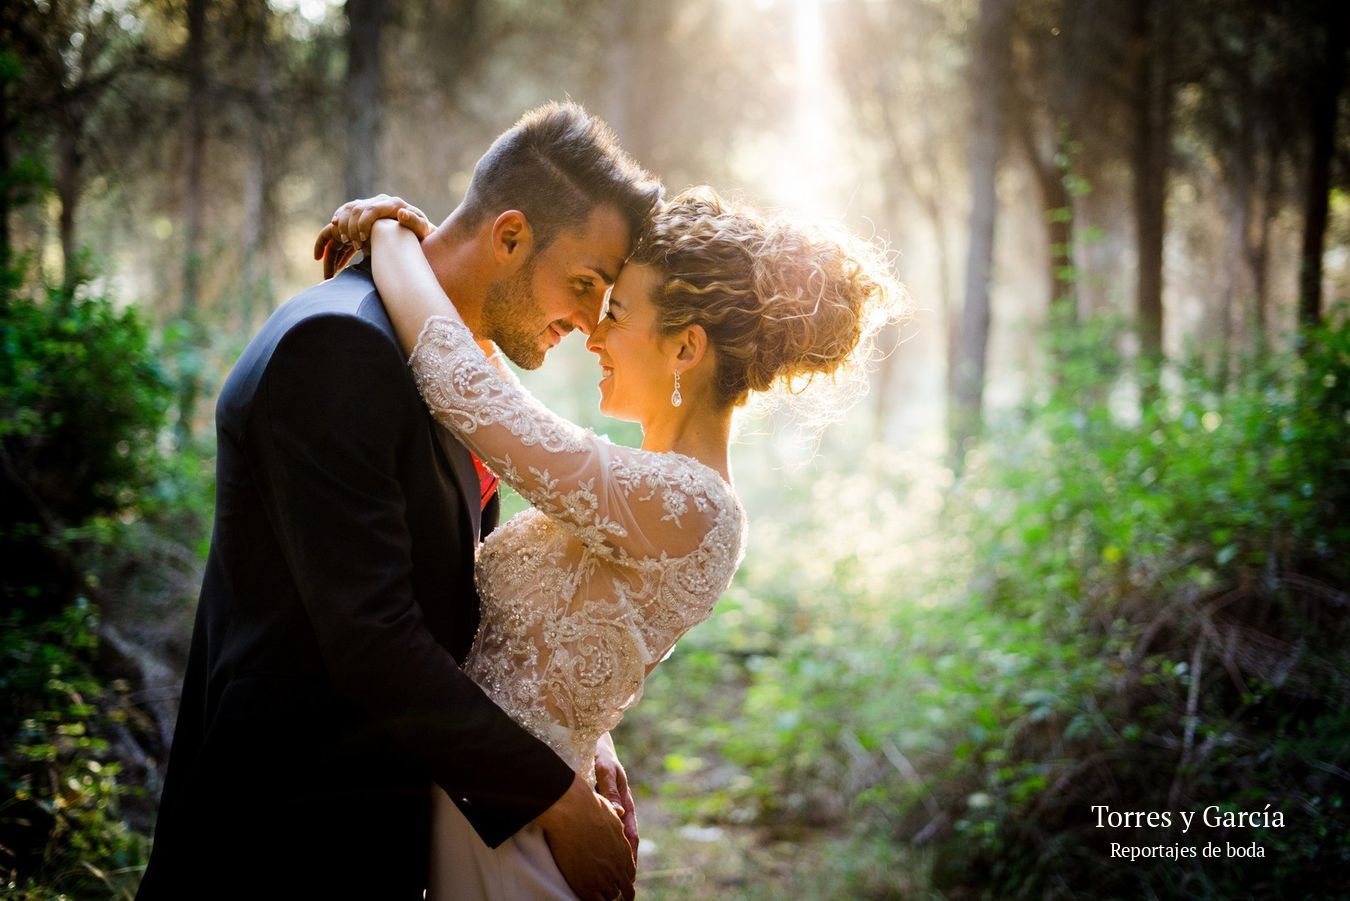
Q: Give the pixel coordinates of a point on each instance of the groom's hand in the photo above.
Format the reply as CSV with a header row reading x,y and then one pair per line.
x,y
587,839
612,782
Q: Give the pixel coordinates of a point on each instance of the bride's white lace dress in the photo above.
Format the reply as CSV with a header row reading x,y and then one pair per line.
x,y
621,552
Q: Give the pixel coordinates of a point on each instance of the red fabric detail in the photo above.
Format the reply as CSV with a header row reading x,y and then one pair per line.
x,y
487,482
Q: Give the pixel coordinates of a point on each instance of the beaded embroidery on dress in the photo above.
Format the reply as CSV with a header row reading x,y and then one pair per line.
x,y
622,552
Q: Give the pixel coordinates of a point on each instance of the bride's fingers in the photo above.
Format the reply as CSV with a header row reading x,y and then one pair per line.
x,y
385,207
327,264
321,242
615,800
335,257
349,229
364,220
340,217
612,802
334,254
606,784
629,817
344,220
345,224
354,220
415,221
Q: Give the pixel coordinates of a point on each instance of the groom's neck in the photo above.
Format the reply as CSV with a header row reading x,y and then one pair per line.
x,y
456,261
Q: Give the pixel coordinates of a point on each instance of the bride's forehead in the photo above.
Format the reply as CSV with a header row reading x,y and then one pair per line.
x,y
636,280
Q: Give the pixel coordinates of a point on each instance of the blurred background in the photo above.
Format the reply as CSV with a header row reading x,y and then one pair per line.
x,y
1084,542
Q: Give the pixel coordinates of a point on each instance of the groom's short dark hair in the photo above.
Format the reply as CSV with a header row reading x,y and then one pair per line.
x,y
555,165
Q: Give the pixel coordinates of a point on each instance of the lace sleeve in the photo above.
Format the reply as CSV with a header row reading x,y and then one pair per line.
x,y
613,498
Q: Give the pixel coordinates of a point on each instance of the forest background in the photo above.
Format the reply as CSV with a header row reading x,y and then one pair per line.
x,y
1084,542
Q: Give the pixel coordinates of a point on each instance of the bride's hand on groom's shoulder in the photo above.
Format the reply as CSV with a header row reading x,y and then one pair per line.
x,y
349,229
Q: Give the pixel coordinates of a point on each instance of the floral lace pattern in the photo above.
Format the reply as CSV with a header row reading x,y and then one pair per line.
x,y
622,552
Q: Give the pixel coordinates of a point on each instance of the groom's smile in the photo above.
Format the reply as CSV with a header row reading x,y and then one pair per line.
x,y
560,289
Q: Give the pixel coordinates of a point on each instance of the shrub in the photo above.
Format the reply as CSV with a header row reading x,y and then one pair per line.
x,y
1141,610
61,827
1192,553
82,412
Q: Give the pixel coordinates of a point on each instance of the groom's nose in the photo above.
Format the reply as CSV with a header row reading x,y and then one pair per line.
x,y
585,315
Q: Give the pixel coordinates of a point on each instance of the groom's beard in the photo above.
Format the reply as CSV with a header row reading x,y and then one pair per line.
x,y
514,320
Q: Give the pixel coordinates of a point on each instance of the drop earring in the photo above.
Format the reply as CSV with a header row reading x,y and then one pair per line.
x,y
676,398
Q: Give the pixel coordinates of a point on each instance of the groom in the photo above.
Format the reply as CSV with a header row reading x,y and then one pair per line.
x,y
322,696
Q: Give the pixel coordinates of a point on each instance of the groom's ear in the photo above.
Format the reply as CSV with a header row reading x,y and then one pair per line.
x,y
512,237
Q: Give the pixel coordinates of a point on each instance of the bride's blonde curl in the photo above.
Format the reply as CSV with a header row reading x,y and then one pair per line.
x,y
782,302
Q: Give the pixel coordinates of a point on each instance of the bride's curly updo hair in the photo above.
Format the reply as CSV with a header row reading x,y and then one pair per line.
x,y
782,302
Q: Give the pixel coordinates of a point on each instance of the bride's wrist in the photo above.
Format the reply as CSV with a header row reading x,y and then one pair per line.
x,y
384,231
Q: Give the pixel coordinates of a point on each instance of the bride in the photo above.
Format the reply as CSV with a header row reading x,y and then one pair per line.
x,y
623,549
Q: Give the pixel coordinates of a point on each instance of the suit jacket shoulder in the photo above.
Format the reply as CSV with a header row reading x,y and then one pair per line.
x,y
350,294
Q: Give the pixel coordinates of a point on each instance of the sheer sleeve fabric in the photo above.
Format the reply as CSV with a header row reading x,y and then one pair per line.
x,y
620,501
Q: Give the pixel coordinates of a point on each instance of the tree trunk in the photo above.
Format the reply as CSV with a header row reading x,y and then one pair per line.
x,y
1231,294
1258,249
259,172
1326,94
637,55
69,183
365,27
5,176
1057,210
1239,202
1149,157
194,143
257,222
884,377
990,67
930,199
618,96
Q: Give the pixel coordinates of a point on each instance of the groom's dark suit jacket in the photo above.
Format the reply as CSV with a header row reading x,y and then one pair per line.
x,y
322,695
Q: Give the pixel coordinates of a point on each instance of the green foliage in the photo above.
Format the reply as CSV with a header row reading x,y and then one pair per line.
x,y
81,400
1085,500
1190,551
61,827
1145,610
89,496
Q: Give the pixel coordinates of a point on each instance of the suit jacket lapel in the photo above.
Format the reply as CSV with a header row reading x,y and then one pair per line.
x,y
456,454
492,513
461,463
